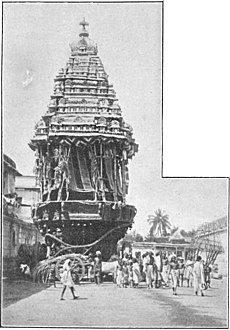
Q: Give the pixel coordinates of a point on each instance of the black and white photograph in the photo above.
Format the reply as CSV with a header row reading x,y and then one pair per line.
x,y
94,235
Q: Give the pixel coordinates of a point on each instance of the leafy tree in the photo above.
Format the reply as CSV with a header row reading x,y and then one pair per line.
x,y
174,229
190,233
149,238
133,237
159,223
139,238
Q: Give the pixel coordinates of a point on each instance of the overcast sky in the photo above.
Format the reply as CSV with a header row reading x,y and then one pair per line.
x,y
36,40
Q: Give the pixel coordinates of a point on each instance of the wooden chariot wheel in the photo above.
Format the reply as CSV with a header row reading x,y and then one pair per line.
x,y
77,267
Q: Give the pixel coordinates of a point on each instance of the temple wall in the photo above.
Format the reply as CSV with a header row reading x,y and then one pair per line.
x,y
15,233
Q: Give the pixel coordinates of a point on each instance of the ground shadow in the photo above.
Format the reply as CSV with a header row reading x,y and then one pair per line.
x,y
188,317
13,291
189,295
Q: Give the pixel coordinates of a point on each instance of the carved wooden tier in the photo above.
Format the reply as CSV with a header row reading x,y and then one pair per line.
x,y
82,146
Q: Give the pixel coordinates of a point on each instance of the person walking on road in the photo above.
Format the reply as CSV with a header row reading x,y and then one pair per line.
x,y
97,268
174,270
189,272
198,274
66,279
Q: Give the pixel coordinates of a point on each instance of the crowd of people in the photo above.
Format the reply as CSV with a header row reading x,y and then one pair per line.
x,y
159,271
155,270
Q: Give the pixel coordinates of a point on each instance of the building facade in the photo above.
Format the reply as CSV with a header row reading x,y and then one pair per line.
x,y
16,231
29,192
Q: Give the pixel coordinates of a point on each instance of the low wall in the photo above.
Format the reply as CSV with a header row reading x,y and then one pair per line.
x,y
15,233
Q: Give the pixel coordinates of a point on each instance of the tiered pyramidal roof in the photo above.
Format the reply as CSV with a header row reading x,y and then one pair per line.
x,y
84,103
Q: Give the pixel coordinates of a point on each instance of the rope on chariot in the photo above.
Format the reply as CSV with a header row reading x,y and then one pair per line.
x,y
41,271
91,244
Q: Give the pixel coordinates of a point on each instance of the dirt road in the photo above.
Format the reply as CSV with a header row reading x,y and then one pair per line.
x,y
109,306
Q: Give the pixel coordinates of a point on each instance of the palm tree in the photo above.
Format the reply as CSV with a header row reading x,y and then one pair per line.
x,y
159,223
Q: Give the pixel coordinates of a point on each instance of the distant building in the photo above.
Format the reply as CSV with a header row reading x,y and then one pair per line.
x,y
176,244
9,174
27,189
16,231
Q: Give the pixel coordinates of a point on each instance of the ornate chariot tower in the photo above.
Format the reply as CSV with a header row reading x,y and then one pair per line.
x,y
82,146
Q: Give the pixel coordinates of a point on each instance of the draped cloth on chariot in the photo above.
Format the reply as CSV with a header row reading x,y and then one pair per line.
x,y
79,171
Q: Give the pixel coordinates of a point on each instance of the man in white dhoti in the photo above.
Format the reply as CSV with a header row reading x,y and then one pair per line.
x,y
198,275
174,270
66,279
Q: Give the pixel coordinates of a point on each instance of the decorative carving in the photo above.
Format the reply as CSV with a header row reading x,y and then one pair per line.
x,y
52,103
78,119
127,126
60,120
102,121
104,102
62,101
82,101
115,124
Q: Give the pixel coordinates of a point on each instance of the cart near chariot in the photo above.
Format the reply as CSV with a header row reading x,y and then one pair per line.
x,y
82,147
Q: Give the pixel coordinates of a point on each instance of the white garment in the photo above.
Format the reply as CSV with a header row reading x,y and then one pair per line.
x,y
189,263
66,277
175,276
158,262
149,275
198,272
136,273
145,261
119,278
91,271
165,273
188,274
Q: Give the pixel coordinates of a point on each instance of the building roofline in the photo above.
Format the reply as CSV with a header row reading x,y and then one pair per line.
x,y
7,161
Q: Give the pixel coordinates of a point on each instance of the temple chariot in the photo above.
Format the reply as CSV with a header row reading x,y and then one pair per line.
x,y
82,147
